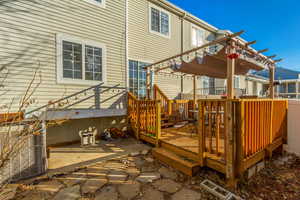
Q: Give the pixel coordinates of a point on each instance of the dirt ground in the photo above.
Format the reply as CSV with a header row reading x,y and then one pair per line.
x,y
138,176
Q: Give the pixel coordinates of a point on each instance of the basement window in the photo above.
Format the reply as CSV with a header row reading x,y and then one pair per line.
x,y
159,21
80,61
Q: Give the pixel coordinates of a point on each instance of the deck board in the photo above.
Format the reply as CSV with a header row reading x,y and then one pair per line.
x,y
188,140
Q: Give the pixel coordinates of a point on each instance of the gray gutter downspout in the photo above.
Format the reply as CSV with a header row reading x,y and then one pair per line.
x,y
126,47
182,49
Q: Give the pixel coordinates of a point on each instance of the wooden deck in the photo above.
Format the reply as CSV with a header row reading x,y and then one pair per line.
x,y
229,142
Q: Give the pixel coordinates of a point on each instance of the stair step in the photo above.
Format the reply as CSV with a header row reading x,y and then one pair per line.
x,y
179,151
180,163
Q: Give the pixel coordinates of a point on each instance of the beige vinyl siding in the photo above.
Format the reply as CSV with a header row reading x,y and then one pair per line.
x,y
28,32
146,46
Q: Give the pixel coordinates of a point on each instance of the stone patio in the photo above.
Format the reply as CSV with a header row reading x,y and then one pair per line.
x,y
137,176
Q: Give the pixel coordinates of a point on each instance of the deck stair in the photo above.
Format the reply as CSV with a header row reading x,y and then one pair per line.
x,y
179,162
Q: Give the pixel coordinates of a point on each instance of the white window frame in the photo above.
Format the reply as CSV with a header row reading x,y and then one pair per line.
x,y
203,36
59,57
102,5
150,21
237,82
150,70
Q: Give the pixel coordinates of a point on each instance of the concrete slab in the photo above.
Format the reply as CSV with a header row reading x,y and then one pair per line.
x,y
67,158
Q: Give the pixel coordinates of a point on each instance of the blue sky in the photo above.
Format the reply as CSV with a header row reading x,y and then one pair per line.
x,y
275,24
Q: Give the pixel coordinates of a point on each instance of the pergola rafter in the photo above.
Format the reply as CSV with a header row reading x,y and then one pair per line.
x,y
234,46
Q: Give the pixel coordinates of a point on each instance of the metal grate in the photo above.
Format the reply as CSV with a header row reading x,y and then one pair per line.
x,y
29,162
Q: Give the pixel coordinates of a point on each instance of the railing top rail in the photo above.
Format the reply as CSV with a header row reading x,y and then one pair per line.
x,y
182,100
100,86
132,96
242,100
150,101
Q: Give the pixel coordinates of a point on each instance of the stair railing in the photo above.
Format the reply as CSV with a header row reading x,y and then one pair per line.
x,y
166,103
144,117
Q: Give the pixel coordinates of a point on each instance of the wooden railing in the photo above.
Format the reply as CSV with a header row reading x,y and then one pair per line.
x,y
239,133
11,117
133,113
181,109
144,117
262,123
166,103
212,126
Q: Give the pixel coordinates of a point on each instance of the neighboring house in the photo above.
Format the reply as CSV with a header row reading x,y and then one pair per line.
x,y
249,85
288,82
78,44
157,30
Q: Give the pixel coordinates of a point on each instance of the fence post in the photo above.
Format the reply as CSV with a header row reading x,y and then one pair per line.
x,y
201,144
138,120
158,122
97,91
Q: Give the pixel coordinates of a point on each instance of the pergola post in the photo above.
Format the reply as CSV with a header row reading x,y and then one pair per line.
x,y
230,137
194,92
148,83
272,77
231,56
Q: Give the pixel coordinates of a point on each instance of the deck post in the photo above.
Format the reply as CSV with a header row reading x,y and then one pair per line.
x,y
230,136
170,102
272,77
200,129
138,121
158,122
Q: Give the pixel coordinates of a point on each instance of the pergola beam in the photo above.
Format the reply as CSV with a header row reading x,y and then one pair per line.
x,y
273,56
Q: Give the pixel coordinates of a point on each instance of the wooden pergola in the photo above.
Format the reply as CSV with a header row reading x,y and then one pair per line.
x,y
234,48
232,56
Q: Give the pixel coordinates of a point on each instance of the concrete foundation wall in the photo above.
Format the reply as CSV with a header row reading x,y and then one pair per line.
x,y
294,127
69,131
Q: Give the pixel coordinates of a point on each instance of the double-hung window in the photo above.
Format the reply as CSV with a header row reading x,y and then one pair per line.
x,y
80,61
137,78
197,36
159,21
